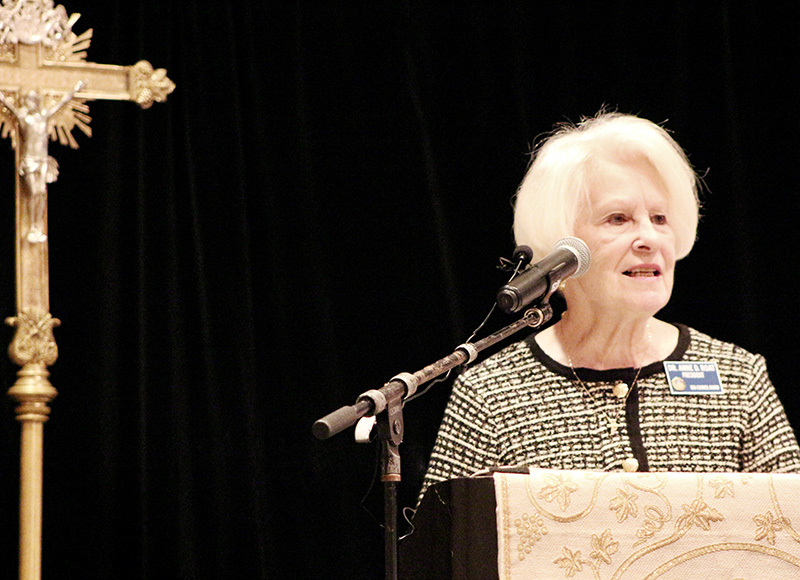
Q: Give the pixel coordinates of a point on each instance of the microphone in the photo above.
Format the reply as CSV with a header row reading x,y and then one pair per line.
x,y
570,257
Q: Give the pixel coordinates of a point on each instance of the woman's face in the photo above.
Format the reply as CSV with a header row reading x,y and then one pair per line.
x,y
627,228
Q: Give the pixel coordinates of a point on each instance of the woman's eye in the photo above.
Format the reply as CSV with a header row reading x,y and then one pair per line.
x,y
617,219
659,219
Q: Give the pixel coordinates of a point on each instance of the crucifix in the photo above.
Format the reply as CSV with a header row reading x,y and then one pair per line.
x,y
45,82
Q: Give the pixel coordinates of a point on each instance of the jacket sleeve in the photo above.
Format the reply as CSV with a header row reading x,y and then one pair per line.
x,y
466,441
769,444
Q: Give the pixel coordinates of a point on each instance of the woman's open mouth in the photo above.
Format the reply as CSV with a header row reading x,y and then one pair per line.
x,y
643,272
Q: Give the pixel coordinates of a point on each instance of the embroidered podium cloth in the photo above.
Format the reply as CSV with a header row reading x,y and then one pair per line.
x,y
669,526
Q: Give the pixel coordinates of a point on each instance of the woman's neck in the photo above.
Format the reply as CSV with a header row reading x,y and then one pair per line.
x,y
598,344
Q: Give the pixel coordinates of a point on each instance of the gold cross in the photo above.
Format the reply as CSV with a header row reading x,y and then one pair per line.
x,y
51,67
57,69
45,82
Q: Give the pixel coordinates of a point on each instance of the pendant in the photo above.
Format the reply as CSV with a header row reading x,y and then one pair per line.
x,y
630,465
620,390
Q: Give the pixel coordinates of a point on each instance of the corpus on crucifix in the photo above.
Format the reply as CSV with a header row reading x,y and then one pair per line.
x,y
36,167
45,82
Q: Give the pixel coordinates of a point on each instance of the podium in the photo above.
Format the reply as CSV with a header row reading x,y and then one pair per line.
x,y
455,533
553,524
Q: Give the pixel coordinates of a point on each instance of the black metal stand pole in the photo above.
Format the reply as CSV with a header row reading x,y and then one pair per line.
x,y
390,434
386,404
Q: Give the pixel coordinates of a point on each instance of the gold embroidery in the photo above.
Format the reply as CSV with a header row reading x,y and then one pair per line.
x,y
570,561
768,525
506,507
774,497
530,529
604,547
667,541
657,481
559,488
723,547
723,487
596,479
624,505
653,523
698,513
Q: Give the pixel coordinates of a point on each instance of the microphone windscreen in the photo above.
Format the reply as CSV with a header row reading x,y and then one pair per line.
x,y
581,251
522,256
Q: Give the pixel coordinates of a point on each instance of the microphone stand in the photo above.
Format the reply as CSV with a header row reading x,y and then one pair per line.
x,y
386,404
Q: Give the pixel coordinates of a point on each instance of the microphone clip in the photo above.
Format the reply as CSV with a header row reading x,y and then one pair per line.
x,y
518,262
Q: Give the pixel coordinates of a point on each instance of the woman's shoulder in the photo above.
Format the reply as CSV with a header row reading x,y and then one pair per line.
x,y
510,363
702,345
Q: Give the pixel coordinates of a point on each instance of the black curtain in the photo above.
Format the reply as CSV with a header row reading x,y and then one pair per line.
x,y
322,204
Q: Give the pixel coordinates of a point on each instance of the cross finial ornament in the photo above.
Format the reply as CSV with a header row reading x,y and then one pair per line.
x,y
33,22
45,83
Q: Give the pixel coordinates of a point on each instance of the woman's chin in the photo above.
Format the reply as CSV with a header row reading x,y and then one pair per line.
x,y
649,306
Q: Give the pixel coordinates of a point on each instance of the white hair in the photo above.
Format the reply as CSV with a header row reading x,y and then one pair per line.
x,y
556,186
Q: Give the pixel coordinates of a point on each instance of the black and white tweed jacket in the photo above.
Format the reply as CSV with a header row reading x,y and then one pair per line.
x,y
520,407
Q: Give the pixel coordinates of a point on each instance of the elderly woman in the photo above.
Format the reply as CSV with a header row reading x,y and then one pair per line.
x,y
593,391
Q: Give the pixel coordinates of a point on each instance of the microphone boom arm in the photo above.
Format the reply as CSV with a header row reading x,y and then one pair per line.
x,y
404,385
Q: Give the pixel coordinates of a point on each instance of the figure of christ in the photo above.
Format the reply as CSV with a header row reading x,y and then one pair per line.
x,y
36,167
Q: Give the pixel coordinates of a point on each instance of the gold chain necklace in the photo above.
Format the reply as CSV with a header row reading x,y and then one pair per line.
x,y
620,389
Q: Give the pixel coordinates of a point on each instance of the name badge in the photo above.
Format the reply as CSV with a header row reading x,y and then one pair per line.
x,y
693,378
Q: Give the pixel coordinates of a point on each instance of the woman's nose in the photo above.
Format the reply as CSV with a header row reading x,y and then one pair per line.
x,y
646,237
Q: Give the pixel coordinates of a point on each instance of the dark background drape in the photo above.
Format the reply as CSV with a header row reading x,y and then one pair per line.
x,y
320,205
